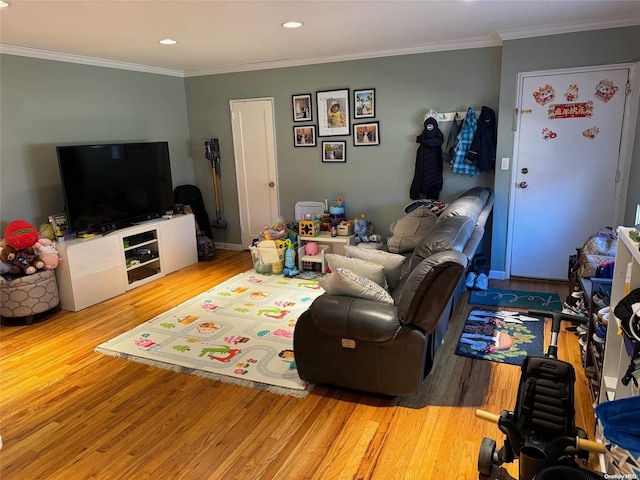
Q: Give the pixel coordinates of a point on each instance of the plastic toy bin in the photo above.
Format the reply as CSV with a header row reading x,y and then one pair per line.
x,y
262,258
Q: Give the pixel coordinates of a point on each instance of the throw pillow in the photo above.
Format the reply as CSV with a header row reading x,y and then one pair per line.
x,y
345,282
408,230
391,262
364,268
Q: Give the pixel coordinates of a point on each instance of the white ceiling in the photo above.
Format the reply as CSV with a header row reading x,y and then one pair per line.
x,y
228,36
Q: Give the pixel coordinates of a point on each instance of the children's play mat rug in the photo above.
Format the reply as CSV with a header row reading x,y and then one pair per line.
x,y
501,336
240,331
517,299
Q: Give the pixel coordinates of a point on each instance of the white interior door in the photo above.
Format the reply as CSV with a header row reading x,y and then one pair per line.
x,y
568,176
255,157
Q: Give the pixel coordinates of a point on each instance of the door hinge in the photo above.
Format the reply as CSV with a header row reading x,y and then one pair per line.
x,y
617,176
627,89
514,126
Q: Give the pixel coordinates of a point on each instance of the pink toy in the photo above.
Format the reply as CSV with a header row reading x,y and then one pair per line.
x,y
46,250
311,248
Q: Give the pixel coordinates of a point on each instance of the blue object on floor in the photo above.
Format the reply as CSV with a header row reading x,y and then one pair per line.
x,y
497,297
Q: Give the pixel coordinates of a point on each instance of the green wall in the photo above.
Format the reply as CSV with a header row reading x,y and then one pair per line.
x,y
46,103
374,180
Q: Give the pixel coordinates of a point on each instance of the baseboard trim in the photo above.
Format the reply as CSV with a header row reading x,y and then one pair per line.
x,y
498,275
229,246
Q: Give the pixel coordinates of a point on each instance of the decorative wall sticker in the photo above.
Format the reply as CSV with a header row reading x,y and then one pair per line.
x,y
544,95
591,133
605,90
570,110
572,93
548,134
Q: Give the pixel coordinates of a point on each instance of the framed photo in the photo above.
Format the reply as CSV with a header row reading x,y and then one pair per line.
x,y
304,136
364,103
333,113
366,134
302,109
334,152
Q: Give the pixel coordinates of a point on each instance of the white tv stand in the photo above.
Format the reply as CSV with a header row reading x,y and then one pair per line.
x,y
95,269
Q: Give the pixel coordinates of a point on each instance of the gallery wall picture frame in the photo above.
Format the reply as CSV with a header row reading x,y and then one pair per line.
x,y
333,112
302,107
304,136
364,103
366,134
334,151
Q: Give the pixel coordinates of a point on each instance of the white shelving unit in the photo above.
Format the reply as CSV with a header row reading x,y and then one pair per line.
x,y
617,354
95,269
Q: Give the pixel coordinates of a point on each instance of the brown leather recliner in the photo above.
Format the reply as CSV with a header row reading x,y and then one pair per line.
x,y
389,349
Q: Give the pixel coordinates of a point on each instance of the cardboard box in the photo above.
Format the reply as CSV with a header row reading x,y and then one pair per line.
x,y
345,228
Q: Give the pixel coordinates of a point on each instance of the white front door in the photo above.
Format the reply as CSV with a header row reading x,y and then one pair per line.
x,y
255,157
571,163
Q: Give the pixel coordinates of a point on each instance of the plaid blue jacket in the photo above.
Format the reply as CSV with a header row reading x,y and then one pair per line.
x,y
463,142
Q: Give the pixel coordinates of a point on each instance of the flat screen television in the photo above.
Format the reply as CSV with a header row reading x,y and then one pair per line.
x,y
111,186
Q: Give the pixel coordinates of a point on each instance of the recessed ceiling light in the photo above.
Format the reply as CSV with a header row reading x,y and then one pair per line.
x,y
4,4
168,41
292,24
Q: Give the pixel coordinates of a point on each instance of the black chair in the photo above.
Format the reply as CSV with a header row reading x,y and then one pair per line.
x,y
191,195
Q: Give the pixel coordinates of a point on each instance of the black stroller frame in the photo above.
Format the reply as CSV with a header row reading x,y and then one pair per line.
x,y
540,432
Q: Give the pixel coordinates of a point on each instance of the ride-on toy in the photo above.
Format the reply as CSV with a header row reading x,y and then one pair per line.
x,y
540,432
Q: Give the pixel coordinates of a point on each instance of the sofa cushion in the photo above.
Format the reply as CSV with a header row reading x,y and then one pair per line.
x,y
391,262
345,282
408,230
427,277
364,268
451,233
469,204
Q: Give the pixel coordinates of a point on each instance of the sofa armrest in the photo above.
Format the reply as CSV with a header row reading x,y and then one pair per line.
x,y
355,318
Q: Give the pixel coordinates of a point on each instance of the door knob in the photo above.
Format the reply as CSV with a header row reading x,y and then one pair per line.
x,y
271,184
523,185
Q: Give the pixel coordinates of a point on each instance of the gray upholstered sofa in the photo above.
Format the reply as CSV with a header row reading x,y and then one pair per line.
x,y
387,345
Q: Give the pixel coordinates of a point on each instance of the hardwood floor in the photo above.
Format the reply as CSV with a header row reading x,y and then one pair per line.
x,y
70,413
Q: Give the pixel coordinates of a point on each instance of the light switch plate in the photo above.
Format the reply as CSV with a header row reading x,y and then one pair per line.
x,y
504,165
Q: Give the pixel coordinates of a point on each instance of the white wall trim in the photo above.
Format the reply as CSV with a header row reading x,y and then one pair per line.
x,y
494,40
229,246
498,275
561,29
480,42
96,62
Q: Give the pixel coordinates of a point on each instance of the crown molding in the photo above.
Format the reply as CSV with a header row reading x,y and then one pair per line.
x,y
480,42
96,62
521,33
491,41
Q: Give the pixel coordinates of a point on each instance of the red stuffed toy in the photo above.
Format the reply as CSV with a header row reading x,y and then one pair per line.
x,y
21,236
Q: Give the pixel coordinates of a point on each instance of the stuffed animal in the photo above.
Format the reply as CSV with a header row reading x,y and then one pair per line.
x,y
311,248
46,231
27,261
46,251
7,255
361,229
20,235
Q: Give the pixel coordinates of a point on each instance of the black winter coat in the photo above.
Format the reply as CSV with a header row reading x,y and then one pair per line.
x,y
427,179
482,151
